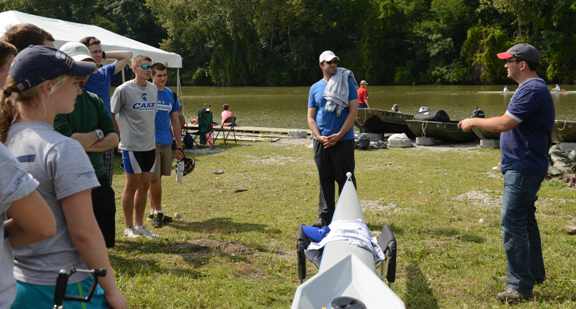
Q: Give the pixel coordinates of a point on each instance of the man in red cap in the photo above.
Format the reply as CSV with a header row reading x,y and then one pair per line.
x,y
524,141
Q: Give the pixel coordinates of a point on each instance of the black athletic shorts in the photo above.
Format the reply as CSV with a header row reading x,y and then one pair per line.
x,y
137,162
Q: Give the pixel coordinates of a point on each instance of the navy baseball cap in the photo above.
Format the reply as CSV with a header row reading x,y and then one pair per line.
x,y
522,51
38,63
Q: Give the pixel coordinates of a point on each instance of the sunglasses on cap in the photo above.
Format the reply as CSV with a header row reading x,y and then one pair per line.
x,y
146,66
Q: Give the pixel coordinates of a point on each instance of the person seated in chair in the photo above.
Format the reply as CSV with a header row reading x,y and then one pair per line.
x,y
226,115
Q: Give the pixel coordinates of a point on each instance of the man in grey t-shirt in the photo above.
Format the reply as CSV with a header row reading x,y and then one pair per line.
x,y
134,108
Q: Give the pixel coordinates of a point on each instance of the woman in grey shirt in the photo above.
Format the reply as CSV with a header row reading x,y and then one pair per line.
x,y
44,82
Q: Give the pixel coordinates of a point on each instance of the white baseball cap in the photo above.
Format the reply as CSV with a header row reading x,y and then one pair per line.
x,y
77,51
327,55
363,82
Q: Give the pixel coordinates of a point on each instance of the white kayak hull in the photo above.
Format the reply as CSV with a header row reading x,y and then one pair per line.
x,y
346,270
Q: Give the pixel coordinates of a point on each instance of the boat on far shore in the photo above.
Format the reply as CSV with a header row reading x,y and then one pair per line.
x,y
483,134
447,132
564,131
373,120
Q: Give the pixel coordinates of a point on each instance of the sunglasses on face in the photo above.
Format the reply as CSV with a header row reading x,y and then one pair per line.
x,y
332,62
145,66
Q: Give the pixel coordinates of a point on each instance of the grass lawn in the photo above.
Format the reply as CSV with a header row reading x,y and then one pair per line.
x,y
234,246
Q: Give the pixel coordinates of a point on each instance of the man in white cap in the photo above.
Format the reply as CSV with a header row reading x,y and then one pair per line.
x,y
363,94
92,126
332,107
525,130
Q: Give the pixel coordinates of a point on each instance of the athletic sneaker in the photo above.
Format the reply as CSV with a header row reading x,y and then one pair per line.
x,y
140,230
512,296
130,233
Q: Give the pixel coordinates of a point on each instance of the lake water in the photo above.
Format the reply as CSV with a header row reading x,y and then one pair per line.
x,y
285,107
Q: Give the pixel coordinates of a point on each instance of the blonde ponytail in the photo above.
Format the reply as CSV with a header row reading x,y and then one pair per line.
x,y
8,99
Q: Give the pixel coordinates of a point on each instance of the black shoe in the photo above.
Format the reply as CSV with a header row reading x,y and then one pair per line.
x,y
512,296
167,220
158,220
150,216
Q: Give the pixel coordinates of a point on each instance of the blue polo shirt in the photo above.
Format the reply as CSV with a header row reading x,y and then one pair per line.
x,y
99,83
165,107
525,148
328,122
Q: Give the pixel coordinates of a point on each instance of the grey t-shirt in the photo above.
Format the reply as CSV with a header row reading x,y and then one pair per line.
x,y
135,110
62,168
15,184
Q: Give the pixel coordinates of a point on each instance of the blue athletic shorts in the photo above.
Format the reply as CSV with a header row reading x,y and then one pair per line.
x,y
42,296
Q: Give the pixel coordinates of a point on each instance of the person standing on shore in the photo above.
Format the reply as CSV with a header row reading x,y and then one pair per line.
x,y
92,127
332,108
363,95
134,108
168,131
524,142
100,82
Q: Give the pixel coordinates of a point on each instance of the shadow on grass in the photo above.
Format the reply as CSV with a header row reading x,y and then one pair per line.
x,y
139,266
454,233
223,226
196,252
419,294
378,228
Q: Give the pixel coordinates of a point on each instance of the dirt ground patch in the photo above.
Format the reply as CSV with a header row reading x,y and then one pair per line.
x,y
207,246
378,205
478,198
273,160
293,141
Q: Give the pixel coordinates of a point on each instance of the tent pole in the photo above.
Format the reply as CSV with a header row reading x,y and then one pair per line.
x,y
123,77
178,84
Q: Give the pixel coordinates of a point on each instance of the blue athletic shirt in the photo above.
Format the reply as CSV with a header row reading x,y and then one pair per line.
x,y
328,122
99,83
525,148
166,106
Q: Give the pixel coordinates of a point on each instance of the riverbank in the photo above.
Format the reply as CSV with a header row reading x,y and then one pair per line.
x,y
234,244
285,107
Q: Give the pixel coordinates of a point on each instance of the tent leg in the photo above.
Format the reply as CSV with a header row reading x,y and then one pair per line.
x,y
123,76
178,84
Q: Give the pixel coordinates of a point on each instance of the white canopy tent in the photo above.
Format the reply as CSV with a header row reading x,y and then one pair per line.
x,y
65,31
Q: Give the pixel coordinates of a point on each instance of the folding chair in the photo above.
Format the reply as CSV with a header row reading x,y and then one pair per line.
x,y
227,128
205,126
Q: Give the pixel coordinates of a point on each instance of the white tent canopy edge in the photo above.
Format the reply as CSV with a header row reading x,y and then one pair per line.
x,y
65,31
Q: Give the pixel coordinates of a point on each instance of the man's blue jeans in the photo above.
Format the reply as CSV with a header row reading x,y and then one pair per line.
x,y
520,231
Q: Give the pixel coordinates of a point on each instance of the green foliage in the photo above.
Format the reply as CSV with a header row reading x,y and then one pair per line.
x,y
479,50
277,42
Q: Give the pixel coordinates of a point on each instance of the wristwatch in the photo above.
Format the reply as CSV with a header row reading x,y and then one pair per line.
x,y
99,134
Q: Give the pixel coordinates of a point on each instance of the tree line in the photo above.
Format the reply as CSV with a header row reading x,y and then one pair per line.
x,y
277,42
